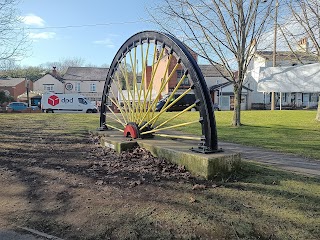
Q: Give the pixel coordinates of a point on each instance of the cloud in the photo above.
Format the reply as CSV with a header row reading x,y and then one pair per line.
x,y
106,42
42,35
33,20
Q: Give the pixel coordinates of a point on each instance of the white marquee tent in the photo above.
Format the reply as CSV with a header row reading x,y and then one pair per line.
x,y
304,79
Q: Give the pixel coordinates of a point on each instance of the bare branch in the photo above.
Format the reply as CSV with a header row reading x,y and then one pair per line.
x,y
13,39
222,32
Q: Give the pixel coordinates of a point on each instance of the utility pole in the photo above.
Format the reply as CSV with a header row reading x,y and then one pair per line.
x,y
27,88
274,58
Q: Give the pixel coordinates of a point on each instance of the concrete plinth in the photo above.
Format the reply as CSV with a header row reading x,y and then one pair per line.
x,y
178,152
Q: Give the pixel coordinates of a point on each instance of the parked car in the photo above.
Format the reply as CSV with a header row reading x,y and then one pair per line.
x,y
17,106
183,103
20,106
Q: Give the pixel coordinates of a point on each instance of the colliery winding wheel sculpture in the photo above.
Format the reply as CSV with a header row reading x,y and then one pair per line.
x,y
153,73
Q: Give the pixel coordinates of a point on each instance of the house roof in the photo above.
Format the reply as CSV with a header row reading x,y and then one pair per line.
x,y
213,71
288,55
10,82
52,75
225,84
56,76
86,73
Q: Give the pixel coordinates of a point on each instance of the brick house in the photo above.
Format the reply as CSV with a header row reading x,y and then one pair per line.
x,y
15,86
220,89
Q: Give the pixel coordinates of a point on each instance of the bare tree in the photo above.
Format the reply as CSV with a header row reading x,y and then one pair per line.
x,y
222,32
306,15
12,37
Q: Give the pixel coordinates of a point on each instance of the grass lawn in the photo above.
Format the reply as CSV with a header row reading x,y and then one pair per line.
x,y
259,203
286,131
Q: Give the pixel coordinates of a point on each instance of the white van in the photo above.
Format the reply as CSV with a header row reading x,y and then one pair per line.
x,y
57,102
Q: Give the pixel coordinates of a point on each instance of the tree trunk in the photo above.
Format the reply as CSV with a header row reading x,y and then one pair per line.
x,y
318,112
237,107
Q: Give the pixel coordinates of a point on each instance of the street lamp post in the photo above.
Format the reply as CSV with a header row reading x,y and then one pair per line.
x,y
27,88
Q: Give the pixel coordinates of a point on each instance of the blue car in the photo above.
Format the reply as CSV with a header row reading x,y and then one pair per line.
x,y
17,106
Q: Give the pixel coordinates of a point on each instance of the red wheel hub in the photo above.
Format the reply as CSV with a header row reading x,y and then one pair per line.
x,y
131,130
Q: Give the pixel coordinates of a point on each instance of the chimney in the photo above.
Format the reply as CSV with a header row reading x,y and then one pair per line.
x,y
303,45
54,71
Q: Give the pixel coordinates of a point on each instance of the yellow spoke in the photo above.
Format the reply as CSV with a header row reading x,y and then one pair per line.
x,y
178,136
118,104
110,126
126,106
175,90
153,106
155,118
169,127
116,101
128,99
117,119
134,81
164,83
175,116
157,65
144,75
150,87
154,70
126,77
142,90
118,108
166,106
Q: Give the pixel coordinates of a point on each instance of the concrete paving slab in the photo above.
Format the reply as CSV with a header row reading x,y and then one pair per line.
x,y
178,152
24,233
284,161
14,235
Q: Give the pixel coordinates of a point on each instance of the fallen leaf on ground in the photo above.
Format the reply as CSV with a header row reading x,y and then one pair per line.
x,y
247,206
99,182
198,187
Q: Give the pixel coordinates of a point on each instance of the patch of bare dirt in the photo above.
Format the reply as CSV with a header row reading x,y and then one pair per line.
x,y
68,186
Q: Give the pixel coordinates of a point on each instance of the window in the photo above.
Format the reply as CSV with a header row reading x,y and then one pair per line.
x,y
48,87
313,97
305,97
180,74
82,101
284,97
77,87
109,103
93,87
